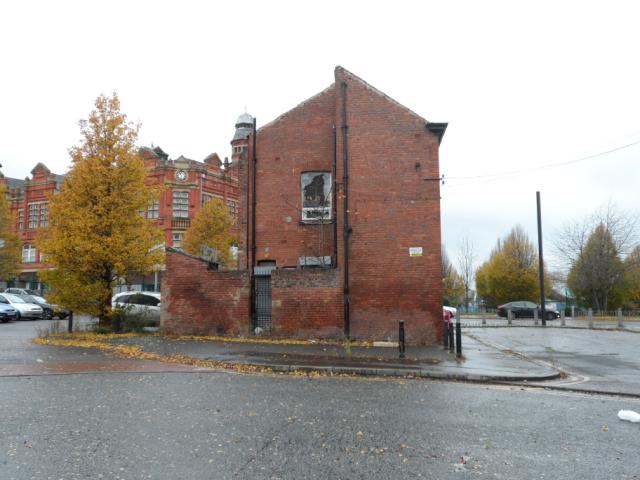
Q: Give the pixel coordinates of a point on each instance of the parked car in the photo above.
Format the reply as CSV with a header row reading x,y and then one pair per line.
x,y
24,309
525,309
7,312
48,310
146,304
20,291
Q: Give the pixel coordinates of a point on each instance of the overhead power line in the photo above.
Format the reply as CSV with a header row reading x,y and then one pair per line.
x,y
513,173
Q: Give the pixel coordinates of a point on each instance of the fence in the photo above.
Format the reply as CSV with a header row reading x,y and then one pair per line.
x,y
575,318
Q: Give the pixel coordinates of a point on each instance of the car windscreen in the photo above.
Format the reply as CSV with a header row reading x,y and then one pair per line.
x,y
13,298
142,299
123,298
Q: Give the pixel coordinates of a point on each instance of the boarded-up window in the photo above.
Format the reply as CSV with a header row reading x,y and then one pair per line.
x,y
316,188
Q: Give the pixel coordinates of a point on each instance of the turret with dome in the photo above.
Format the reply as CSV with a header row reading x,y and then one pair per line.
x,y
240,141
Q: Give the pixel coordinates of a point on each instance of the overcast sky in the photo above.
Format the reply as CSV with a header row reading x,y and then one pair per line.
x,y
526,87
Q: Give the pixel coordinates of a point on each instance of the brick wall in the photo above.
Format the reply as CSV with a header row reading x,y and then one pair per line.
x,y
391,208
198,301
300,140
307,303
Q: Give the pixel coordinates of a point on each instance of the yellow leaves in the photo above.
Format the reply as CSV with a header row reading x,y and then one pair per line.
x,y
512,271
211,228
96,234
10,250
271,341
103,342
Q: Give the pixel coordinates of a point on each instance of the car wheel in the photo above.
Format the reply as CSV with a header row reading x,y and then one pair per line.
x,y
48,314
550,316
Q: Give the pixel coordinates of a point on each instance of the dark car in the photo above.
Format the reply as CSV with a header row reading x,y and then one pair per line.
x,y
525,309
48,310
7,312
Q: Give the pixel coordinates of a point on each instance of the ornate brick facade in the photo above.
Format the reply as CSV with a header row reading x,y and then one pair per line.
x,y
187,184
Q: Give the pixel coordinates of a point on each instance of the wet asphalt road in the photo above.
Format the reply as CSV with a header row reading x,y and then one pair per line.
x,y
218,425
20,356
221,425
607,361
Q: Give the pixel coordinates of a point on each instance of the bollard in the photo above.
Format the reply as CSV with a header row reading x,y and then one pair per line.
x,y
590,317
116,321
509,316
446,334
484,318
535,317
451,344
70,322
401,338
562,322
458,335
620,321
573,311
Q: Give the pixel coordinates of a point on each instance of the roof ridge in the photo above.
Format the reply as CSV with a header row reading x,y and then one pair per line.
x,y
377,91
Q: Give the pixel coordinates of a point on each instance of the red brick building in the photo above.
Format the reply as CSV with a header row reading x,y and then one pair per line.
x,y
188,185
339,219
29,206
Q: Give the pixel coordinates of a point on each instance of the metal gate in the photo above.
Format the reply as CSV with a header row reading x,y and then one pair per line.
x,y
262,297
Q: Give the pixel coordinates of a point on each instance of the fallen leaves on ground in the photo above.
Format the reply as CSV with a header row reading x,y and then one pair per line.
x,y
103,342
270,341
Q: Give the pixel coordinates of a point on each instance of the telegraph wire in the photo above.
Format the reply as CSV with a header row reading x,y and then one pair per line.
x,y
514,173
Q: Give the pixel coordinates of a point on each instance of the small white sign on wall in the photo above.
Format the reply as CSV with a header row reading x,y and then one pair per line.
x,y
415,251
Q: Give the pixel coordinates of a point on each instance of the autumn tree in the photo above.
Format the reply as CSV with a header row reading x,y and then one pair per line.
x,y
210,233
452,282
597,251
511,273
96,234
632,277
597,277
9,240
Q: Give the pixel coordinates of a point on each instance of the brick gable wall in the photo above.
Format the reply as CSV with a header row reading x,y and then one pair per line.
x,y
392,208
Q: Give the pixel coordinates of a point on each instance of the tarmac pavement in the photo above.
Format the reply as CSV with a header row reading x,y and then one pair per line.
x,y
480,362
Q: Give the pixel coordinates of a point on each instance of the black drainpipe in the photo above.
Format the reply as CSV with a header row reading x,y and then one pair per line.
x,y
347,227
335,197
253,225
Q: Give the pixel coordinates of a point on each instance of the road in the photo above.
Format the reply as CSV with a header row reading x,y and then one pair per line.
x,y
605,361
220,425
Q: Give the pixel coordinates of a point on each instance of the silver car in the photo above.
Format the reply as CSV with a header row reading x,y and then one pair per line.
x,y
24,309
145,304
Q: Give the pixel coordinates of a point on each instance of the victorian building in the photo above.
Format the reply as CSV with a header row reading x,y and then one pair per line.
x,y
188,185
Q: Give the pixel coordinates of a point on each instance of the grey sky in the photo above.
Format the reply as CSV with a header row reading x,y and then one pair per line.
x,y
522,85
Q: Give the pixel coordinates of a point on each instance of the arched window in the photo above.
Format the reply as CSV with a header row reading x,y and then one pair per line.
x,y
28,253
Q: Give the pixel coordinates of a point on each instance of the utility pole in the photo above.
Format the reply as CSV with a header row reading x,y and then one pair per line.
x,y
541,262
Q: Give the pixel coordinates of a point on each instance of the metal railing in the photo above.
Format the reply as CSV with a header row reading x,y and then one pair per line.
x,y
576,318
